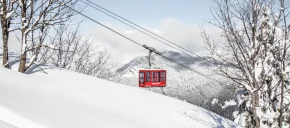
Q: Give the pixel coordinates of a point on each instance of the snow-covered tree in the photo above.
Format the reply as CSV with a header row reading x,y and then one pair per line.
x,y
7,14
37,16
255,42
70,50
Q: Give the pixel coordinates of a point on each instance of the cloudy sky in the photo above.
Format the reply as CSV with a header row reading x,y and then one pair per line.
x,y
175,20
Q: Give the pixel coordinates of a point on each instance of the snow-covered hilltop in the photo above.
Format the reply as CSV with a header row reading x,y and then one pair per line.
x,y
177,75
174,71
182,83
186,59
56,98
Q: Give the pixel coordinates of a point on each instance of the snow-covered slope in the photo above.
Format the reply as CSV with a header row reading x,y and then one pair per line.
x,y
6,125
64,99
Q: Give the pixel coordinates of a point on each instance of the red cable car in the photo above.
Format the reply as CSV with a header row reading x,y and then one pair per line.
x,y
152,78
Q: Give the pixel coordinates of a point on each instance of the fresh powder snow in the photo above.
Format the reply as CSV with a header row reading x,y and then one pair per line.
x,y
6,125
56,98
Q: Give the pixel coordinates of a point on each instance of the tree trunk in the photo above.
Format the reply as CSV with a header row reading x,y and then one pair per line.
x,y
24,35
255,103
22,63
4,26
5,43
23,54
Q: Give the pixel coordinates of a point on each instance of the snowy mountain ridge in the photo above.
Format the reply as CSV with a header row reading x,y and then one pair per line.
x,y
185,59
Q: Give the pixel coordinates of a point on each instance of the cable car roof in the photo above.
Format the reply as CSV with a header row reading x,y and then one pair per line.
x,y
151,69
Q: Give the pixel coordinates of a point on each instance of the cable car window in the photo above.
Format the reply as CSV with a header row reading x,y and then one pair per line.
x,y
153,77
157,76
162,76
148,76
141,77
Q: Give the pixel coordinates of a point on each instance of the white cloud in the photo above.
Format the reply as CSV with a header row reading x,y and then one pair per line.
x,y
129,31
123,50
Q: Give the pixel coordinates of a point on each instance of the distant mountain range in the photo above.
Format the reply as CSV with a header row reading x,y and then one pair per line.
x,y
182,83
187,60
179,79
